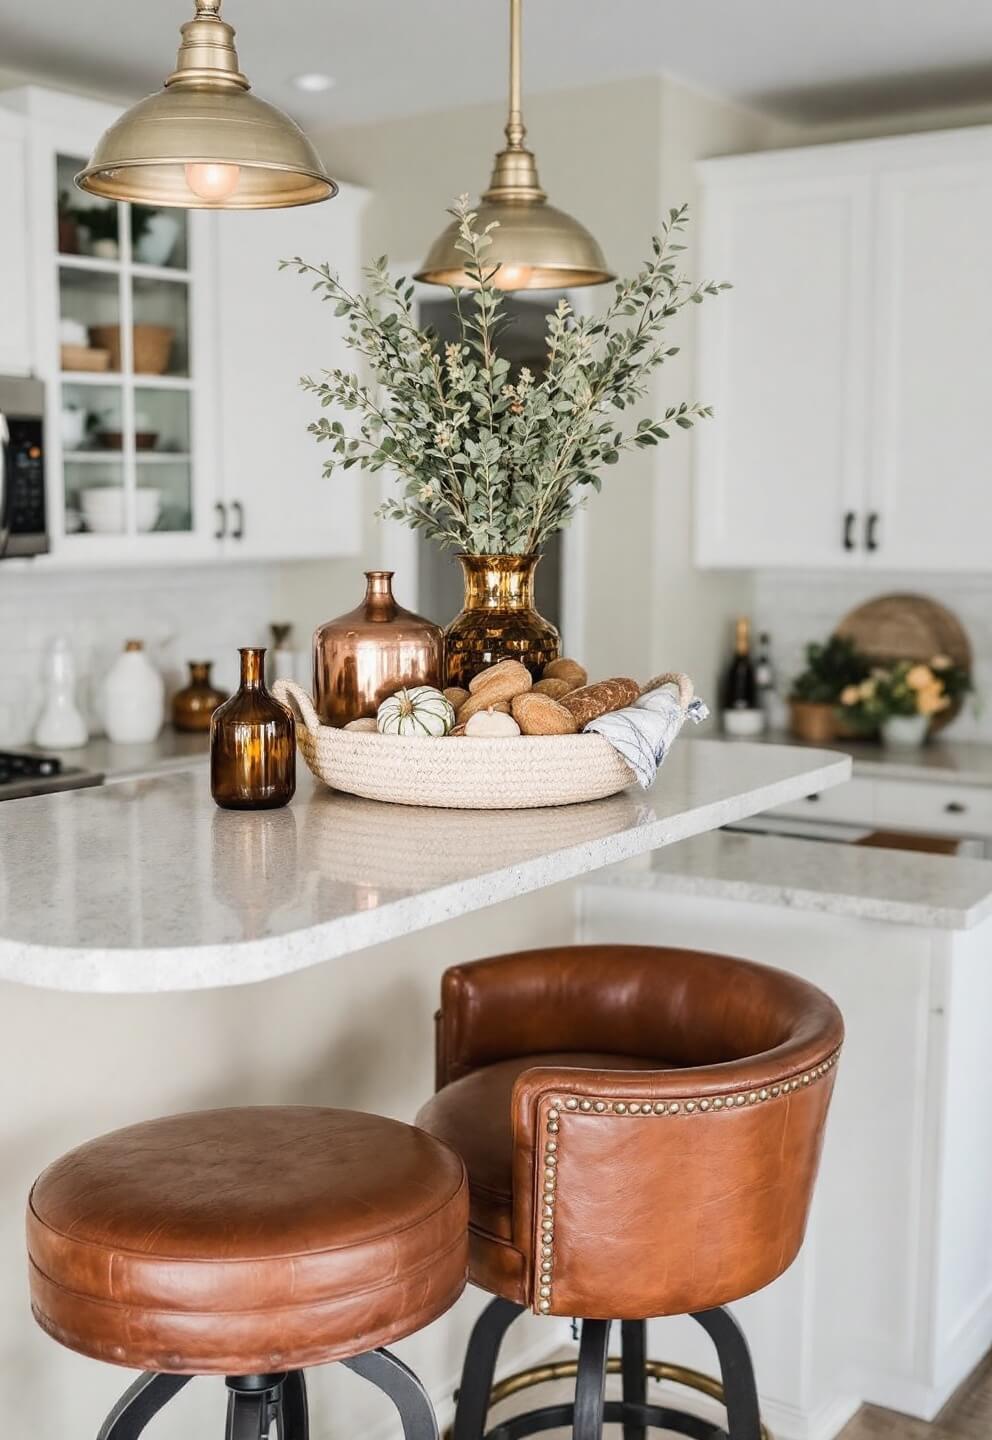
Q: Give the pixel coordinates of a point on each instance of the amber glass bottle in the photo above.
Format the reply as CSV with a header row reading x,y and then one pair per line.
x,y
252,744
193,706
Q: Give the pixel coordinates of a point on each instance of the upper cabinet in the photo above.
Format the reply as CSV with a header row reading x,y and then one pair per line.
x,y
273,330
171,348
848,366
16,356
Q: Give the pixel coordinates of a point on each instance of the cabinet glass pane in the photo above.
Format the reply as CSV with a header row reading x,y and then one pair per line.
x,y
161,421
91,419
89,310
158,237
161,327
87,225
164,498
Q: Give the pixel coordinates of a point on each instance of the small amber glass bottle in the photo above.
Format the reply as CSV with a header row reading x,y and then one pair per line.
x,y
193,705
252,744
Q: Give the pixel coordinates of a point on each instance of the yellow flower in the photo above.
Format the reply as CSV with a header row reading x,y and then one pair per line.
x,y
930,700
850,695
920,677
867,689
941,662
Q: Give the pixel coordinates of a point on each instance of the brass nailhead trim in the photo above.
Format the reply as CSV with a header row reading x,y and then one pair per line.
x,y
543,1280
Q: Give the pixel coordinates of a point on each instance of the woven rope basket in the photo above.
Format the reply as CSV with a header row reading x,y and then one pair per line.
x,y
466,773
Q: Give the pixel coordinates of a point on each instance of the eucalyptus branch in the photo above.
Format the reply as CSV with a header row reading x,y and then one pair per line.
x,y
490,461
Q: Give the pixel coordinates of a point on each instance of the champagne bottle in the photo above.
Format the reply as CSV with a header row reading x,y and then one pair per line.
x,y
740,691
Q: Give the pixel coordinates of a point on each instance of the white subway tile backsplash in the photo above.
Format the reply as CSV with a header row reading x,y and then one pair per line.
x,y
795,609
192,613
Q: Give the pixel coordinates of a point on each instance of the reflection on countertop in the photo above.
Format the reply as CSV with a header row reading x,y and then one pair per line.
x,y
145,885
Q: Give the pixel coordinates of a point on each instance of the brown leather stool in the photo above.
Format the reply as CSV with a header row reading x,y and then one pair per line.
x,y
250,1243
642,1128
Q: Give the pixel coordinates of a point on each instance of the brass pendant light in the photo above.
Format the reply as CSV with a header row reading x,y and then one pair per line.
x,y
205,142
536,246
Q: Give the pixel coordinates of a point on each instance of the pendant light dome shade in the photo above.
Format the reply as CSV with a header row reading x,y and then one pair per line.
x,y
536,246
205,141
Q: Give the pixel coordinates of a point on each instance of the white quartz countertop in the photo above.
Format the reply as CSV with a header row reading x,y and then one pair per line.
x,y
967,762
170,750
145,885
903,887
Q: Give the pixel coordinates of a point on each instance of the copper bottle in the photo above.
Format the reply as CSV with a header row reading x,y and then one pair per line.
x,y
371,652
499,620
193,705
252,744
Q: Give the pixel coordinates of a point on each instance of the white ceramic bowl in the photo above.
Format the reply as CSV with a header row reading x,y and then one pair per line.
x,y
103,509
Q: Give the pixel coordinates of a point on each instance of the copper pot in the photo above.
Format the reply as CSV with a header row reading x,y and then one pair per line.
x,y
362,657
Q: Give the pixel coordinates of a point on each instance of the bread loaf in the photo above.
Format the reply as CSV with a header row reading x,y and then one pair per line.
x,y
569,670
502,681
541,715
555,688
482,701
591,701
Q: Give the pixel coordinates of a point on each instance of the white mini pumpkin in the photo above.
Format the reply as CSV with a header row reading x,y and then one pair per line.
x,y
491,724
420,710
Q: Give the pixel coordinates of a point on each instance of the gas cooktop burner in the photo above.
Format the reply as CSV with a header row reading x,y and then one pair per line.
x,y
15,766
23,775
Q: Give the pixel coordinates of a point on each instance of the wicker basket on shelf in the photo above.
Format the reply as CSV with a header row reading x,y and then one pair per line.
x,y
467,773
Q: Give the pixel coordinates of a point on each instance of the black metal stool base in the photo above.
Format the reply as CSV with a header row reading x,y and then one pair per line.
x,y
261,1407
587,1414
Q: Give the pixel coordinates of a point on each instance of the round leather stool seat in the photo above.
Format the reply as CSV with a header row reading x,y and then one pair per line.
x,y
247,1241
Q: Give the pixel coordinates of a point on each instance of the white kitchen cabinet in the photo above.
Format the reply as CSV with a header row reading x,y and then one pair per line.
x,y
16,356
124,329
783,360
275,501
929,463
849,366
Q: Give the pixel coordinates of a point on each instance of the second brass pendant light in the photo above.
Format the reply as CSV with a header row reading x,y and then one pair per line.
x,y
535,246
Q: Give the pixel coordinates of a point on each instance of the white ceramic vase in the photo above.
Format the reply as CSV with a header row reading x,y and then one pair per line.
x,y
60,726
905,732
133,697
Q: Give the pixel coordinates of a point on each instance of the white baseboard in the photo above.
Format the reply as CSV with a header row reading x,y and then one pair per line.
x,y
969,1344
787,1423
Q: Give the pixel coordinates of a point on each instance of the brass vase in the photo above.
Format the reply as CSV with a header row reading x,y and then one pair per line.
x,y
252,744
193,706
498,620
371,652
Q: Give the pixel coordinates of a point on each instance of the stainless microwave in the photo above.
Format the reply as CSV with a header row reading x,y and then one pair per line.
x,y
23,510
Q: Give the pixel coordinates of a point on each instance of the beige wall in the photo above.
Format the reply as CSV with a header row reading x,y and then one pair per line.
x,y
616,156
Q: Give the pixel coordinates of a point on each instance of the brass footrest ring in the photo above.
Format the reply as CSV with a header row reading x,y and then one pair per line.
x,y
568,1369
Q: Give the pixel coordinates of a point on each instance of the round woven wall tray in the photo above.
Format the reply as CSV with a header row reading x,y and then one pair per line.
x,y
908,627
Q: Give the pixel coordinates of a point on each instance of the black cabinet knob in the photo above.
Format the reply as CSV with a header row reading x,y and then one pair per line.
x,y
871,532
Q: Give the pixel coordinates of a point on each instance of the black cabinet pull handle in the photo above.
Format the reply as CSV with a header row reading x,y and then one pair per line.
x,y
811,798
871,531
238,533
221,510
954,807
849,520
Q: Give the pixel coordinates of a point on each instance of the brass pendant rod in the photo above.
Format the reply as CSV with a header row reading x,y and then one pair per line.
x,y
515,130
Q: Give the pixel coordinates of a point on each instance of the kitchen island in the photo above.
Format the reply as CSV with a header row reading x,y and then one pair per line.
x,y
145,887
890,1300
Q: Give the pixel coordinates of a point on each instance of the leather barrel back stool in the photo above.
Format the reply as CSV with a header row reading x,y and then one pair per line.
x,y
252,1244
642,1129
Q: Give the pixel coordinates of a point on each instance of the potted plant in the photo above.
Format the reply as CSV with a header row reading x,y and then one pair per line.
x,y
831,669
903,700
491,465
99,224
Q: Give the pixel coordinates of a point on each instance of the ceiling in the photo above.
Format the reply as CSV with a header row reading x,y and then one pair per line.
x,y
803,59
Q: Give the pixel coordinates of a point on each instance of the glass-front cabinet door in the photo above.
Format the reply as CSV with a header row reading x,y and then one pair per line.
x,y
127,378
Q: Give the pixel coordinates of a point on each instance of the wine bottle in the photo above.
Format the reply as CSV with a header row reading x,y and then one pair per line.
x,y
764,675
740,690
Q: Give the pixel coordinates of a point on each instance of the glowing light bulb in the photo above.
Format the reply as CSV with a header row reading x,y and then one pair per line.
x,y
513,277
213,182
